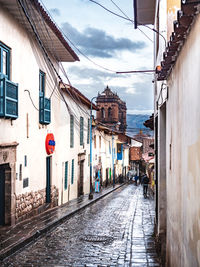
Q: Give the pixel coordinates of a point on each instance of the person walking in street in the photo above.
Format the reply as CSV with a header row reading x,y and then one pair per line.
x,y
145,182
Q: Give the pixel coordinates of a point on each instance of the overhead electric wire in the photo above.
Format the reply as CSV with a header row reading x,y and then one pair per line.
x,y
26,90
49,61
122,17
37,37
51,68
70,92
154,30
84,55
108,10
46,55
69,40
130,19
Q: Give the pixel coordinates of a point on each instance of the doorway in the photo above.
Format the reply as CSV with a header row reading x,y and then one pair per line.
x,y
81,179
6,216
2,196
107,170
48,180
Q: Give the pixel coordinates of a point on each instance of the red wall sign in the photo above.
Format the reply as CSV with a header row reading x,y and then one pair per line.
x,y
50,143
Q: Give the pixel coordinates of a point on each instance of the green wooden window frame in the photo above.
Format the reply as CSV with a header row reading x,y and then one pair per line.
x,y
88,132
4,61
81,130
8,89
42,81
44,102
66,174
72,173
71,131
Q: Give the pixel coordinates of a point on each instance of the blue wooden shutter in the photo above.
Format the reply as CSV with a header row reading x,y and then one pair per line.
x,y
72,177
8,99
44,103
88,133
71,131
119,151
81,130
66,174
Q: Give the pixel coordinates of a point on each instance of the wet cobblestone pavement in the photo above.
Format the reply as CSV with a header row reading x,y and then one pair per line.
x,y
115,231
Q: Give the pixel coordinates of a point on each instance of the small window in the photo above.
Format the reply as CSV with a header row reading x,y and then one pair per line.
x,y
102,113
72,174
4,61
20,172
42,78
81,130
66,174
109,112
71,131
25,161
8,89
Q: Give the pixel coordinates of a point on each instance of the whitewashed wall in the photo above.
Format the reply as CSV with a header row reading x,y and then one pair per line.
x,y
26,61
183,134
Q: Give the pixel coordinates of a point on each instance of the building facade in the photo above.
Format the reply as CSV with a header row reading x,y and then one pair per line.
x,y
177,136
111,110
44,137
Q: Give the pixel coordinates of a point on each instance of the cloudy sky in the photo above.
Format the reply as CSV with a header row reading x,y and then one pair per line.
x,y
112,44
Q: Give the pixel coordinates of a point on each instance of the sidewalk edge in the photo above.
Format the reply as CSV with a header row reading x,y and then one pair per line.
x,y
8,252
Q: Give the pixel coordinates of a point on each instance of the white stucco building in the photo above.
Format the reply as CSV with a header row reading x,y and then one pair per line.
x,y
110,154
177,133
44,124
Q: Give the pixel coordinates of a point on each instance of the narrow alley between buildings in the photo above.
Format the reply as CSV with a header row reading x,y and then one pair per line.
x,y
115,231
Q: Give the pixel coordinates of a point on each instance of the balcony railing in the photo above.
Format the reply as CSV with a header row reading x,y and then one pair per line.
x,y
8,99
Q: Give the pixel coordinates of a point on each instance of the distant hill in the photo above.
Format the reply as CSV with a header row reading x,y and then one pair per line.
x,y
135,124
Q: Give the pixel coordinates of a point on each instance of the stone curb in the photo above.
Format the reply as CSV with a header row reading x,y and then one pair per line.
x,y
14,248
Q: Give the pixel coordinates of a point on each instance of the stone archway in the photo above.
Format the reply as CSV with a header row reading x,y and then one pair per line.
x,y
8,174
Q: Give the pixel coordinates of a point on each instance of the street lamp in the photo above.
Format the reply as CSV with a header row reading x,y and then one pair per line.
x,y
91,189
113,160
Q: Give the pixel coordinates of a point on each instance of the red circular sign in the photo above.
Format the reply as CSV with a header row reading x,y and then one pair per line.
x,y
50,143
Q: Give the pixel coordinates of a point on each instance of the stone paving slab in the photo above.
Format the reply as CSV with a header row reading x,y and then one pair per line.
x,y
120,219
12,238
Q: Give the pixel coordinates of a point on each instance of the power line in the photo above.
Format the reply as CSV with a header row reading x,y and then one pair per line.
x,y
109,10
130,19
46,57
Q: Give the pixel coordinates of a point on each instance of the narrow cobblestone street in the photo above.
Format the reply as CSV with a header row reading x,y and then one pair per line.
x,y
115,231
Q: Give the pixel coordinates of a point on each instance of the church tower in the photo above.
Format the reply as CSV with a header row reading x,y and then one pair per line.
x,y
111,110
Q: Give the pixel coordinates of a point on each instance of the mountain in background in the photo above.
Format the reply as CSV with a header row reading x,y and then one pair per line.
x,y
135,124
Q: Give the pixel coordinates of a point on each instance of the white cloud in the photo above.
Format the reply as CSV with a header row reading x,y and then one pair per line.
x,y
130,91
139,111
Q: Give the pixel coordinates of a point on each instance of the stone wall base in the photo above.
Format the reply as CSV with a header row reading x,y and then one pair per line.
x,y
33,203
160,241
